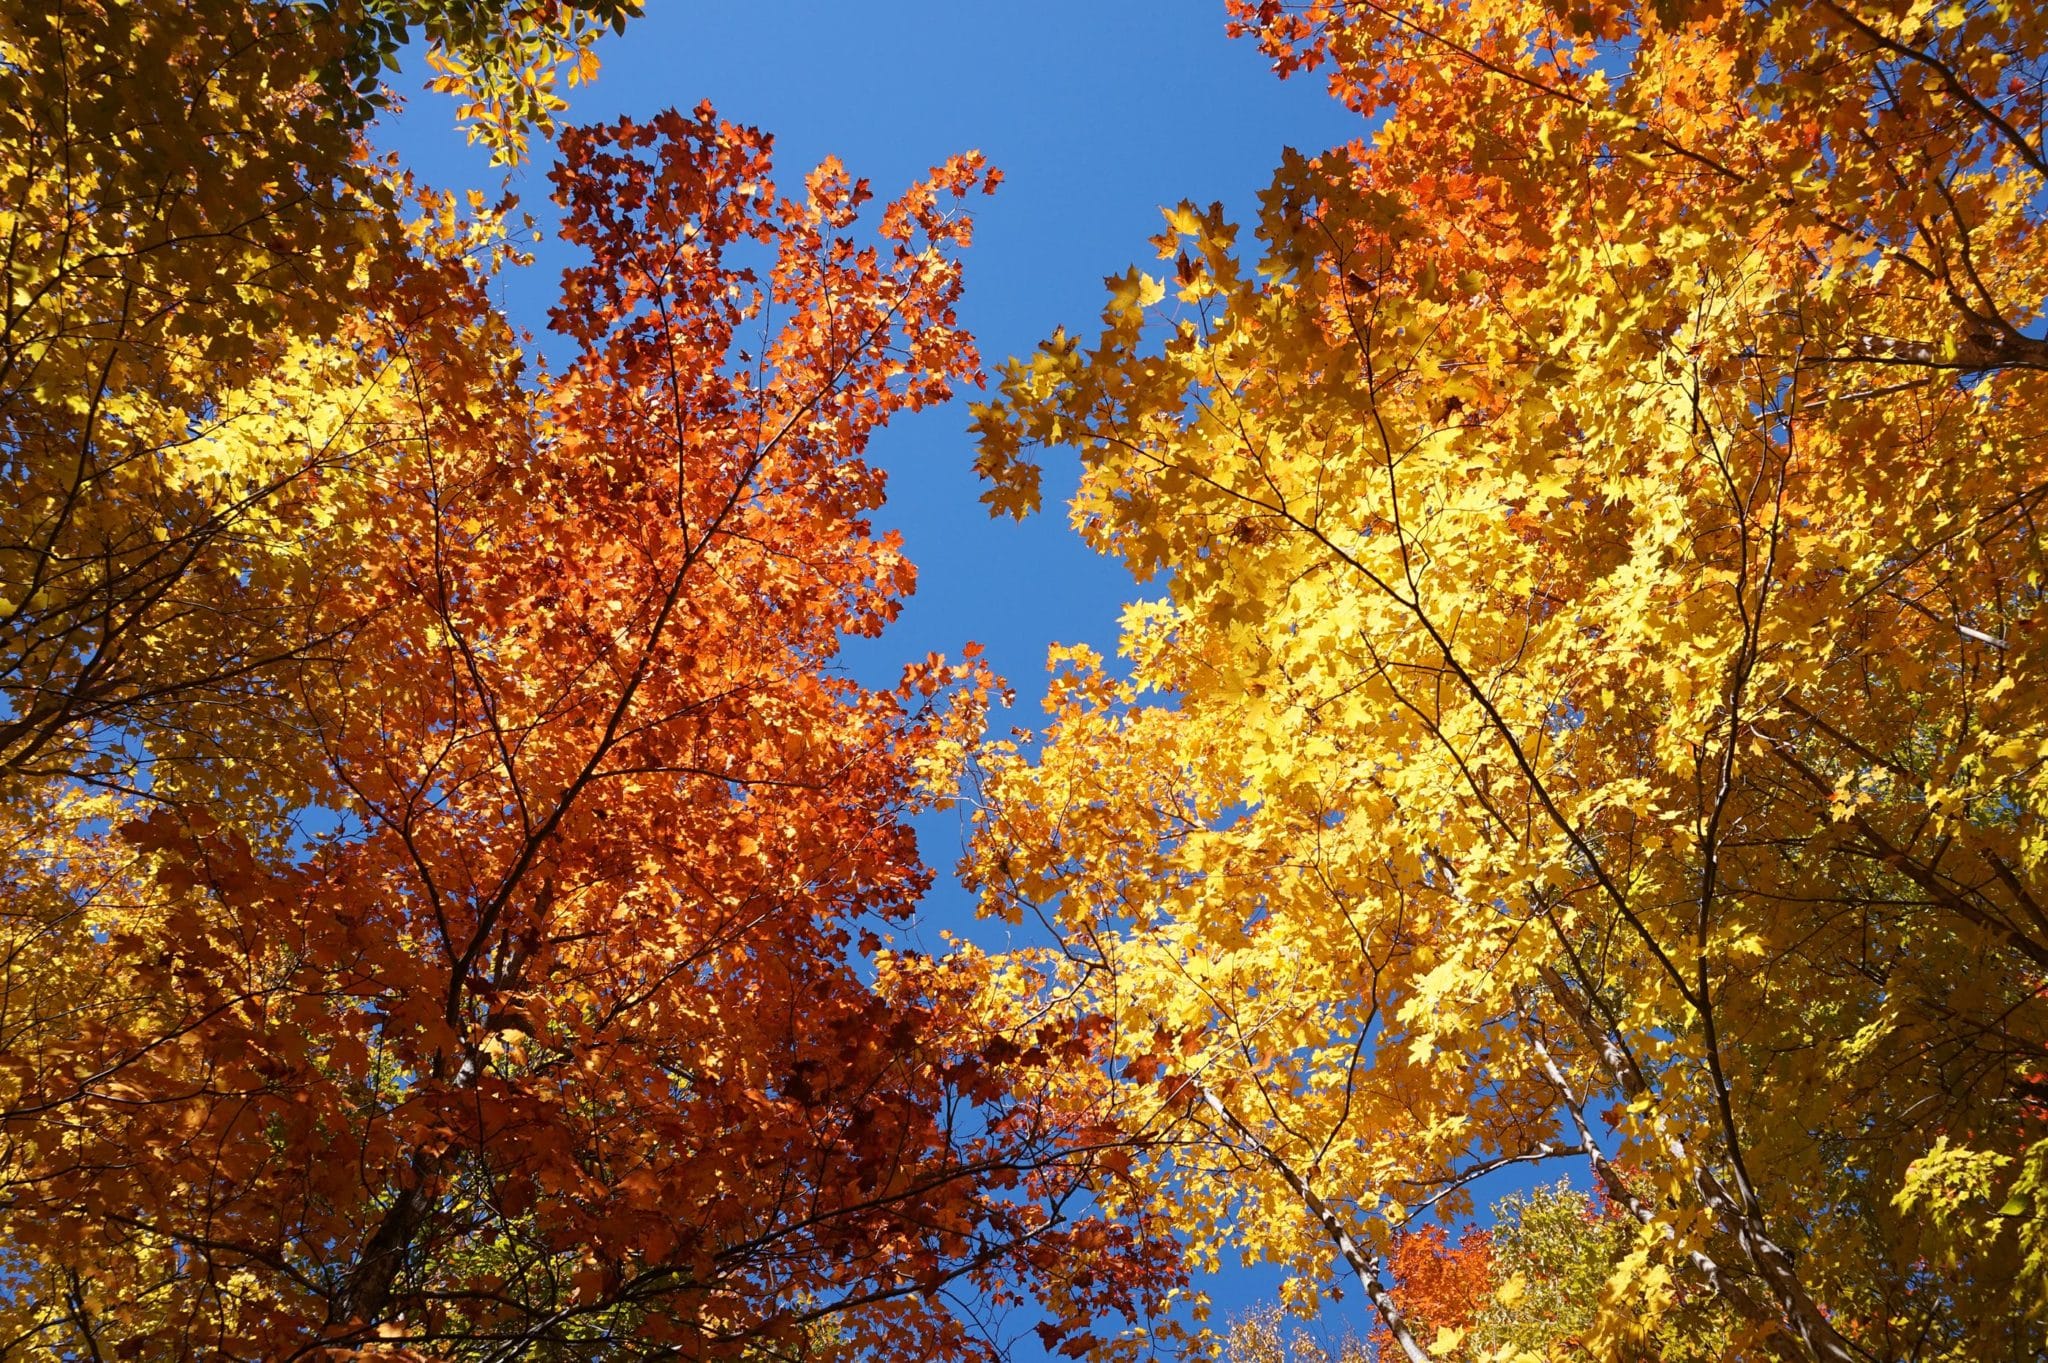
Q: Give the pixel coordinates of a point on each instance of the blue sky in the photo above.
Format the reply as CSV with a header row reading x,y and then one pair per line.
x,y
1099,115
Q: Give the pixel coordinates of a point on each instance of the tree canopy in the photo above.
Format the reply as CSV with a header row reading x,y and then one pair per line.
x,y
1594,709
444,869
1589,716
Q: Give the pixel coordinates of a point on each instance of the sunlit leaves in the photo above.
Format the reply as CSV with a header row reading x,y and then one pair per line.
x,y
446,878
1591,707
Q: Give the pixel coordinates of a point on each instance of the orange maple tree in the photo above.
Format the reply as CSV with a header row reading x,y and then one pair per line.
x,y
567,1027
1442,1285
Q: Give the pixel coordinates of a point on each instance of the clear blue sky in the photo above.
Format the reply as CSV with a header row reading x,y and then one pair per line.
x,y
1099,115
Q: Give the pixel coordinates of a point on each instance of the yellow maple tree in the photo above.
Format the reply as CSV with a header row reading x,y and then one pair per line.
x,y
1594,710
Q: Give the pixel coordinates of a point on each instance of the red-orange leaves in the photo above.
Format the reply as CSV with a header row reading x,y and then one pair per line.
x,y
1442,1287
555,1039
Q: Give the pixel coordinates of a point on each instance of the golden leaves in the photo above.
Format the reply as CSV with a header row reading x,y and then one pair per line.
x,y
1573,628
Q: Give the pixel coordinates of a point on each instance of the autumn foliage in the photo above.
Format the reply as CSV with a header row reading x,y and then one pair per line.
x,y
1528,1285
444,873
1590,704
1589,713
1443,1284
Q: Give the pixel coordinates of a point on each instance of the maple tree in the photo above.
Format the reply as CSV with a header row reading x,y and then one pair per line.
x,y
1442,1285
1552,1251
1594,707
1527,1286
445,877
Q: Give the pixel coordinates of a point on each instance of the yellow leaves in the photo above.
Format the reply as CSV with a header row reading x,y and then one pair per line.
x,y
1079,680
505,84
1511,1291
2024,749
1130,294
1948,1176
1182,220
1958,1196
1525,565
